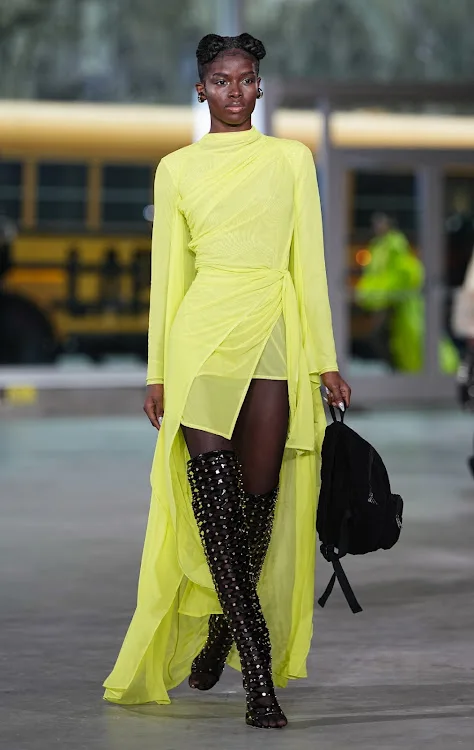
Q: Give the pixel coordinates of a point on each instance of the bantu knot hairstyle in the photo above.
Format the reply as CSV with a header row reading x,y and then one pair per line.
x,y
212,45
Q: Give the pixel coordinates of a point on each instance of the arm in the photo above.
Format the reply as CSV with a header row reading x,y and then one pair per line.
x,y
165,201
308,269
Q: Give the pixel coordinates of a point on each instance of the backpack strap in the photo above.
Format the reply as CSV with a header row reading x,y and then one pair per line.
x,y
343,583
333,557
332,411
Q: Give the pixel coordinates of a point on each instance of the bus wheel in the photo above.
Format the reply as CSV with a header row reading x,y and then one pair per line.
x,y
26,335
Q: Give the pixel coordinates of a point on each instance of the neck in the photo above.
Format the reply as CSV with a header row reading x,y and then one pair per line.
x,y
217,126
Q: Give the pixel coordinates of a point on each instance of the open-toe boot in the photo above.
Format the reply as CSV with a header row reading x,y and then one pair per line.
x,y
218,504
209,664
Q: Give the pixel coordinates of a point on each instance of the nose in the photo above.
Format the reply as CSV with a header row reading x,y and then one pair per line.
x,y
234,91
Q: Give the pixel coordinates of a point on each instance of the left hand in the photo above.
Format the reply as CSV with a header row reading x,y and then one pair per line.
x,y
339,391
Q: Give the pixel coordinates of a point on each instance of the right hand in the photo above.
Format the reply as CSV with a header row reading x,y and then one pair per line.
x,y
153,406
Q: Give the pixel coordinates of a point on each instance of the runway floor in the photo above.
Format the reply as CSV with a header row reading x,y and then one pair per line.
x,y
74,499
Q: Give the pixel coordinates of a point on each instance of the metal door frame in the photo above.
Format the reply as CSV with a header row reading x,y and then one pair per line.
x,y
430,168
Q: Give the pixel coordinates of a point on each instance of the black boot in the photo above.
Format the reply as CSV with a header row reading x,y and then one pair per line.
x,y
218,504
208,666
259,512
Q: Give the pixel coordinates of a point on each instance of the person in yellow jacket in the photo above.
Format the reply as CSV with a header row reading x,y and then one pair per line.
x,y
393,282
240,339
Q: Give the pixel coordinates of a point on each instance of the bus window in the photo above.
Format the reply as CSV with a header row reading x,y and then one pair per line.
x,y
126,191
10,189
62,194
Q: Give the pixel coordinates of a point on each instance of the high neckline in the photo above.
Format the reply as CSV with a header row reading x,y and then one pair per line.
x,y
228,139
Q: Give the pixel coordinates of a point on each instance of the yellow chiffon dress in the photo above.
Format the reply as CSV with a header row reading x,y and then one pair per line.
x,y
238,291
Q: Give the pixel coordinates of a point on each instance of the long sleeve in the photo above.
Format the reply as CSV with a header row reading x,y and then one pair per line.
x,y
165,218
308,269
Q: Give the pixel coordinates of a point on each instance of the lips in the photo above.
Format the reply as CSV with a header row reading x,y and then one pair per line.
x,y
235,107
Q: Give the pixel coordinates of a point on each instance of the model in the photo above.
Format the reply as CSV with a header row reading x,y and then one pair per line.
x,y
240,339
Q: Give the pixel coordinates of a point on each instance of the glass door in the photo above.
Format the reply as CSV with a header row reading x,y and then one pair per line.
x,y
397,231
458,245
384,273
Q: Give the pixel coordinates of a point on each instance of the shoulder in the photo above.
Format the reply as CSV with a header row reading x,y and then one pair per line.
x,y
295,152
173,163
292,149
398,240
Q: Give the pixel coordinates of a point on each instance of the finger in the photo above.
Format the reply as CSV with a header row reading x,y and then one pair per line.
x,y
336,401
329,397
337,397
159,412
150,411
346,393
159,416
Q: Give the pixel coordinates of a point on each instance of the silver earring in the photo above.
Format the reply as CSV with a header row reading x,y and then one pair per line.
x,y
260,94
201,99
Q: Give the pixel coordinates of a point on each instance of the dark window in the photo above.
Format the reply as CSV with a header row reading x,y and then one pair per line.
x,y
390,193
11,176
126,191
62,194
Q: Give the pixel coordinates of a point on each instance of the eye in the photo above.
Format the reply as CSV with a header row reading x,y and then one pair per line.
x,y
220,81
249,81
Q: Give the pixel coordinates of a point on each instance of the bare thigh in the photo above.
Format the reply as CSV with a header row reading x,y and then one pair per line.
x,y
200,441
259,437
260,434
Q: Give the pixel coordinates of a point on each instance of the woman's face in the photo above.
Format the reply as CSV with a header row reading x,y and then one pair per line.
x,y
230,88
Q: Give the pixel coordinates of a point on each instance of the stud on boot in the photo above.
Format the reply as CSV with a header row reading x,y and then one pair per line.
x,y
262,707
259,511
218,504
207,668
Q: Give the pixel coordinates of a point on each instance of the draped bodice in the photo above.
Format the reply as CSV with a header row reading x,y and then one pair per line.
x,y
233,196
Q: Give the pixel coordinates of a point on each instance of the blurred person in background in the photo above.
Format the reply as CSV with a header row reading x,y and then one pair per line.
x,y
459,247
391,286
240,338
463,328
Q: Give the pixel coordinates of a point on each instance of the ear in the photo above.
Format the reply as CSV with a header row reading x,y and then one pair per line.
x,y
200,88
259,81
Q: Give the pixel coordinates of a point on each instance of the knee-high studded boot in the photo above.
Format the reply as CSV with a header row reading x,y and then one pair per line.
x,y
218,504
209,664
259,511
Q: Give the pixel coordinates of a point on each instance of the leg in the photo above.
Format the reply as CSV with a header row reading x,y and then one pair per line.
x,y
260,434
218,504
259,439
200,441
209,664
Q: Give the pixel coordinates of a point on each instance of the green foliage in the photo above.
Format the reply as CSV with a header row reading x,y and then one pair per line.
x,y
143,50
375,39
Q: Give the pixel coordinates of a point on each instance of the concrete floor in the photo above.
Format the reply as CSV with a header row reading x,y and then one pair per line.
x,y
74,497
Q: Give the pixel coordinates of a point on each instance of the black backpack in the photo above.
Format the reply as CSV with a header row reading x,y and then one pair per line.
x,y
357,512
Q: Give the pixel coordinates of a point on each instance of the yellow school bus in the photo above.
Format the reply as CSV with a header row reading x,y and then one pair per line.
x,y
75,214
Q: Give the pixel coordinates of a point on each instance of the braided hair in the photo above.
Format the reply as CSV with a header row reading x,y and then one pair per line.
x,y
212,45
